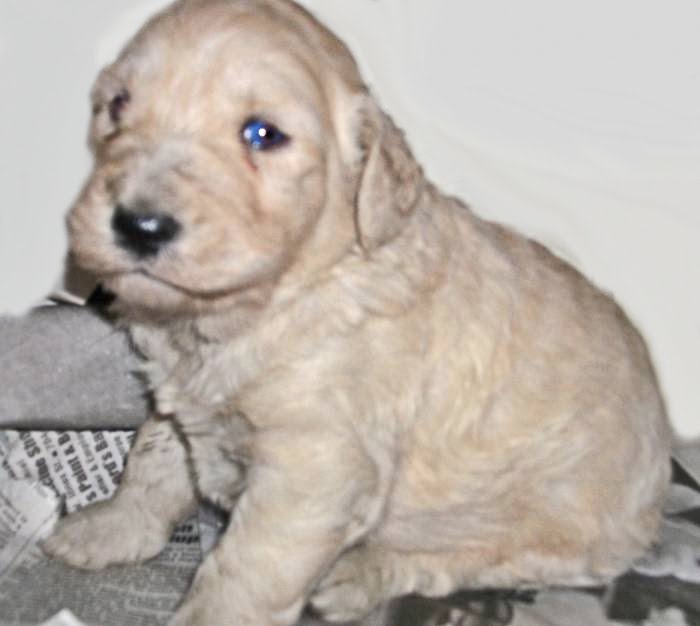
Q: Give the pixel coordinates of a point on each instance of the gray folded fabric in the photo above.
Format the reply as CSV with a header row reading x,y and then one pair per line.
x,y
66,367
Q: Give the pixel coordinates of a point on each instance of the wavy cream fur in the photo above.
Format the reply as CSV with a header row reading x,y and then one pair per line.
x,y
388,393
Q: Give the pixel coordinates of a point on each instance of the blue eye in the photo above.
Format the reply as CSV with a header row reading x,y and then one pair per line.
x,y
261,135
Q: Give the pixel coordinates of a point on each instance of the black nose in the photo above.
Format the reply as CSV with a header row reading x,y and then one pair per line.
x,y
143,233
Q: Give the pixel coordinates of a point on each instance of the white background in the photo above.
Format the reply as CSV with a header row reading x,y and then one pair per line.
x,y
577,122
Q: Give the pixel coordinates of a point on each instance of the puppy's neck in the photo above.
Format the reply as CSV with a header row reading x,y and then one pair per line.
x,y
297,318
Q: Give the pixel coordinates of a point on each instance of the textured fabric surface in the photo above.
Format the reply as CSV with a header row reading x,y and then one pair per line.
x,y
65,367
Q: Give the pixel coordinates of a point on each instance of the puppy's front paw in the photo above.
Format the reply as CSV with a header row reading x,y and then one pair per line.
x,y
350,591
222,595
211,600
200,613
106,533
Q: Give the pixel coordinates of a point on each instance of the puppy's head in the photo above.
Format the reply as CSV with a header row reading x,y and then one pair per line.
x,y
234,143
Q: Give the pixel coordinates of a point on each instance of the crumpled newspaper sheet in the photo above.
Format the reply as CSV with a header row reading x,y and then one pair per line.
x,y
41,473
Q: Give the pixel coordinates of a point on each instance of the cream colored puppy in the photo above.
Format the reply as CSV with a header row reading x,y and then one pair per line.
x,y
388,393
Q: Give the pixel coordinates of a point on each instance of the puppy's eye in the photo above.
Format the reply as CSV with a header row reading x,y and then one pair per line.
x,y
261,135
117,106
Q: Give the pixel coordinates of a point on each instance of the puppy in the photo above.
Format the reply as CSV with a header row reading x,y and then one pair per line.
x,y
389,394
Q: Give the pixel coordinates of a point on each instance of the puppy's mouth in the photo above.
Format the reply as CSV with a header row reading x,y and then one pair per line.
x,y
143,276
203,292
146,286
172,275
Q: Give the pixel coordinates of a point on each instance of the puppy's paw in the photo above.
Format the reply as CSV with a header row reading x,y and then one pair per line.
x,y
208,610
351,590
106,533
194,613
221,594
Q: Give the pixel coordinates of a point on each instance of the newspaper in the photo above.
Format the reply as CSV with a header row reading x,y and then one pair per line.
x,y
42,473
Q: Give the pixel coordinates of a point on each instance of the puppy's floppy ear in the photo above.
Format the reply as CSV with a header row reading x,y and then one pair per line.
x,y
390,179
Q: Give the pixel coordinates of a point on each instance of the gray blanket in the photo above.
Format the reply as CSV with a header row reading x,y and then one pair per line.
x,y
66,367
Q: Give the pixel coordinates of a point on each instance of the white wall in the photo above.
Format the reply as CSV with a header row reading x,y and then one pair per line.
x,y
577,122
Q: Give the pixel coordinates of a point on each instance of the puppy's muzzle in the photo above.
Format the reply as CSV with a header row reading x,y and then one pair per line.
x,y
143,233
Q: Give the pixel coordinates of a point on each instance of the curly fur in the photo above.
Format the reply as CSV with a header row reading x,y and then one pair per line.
x,y
388,393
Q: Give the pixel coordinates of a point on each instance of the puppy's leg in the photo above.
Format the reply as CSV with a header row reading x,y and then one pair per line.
x,y
309,495
220,454
155,493
359,581
368,575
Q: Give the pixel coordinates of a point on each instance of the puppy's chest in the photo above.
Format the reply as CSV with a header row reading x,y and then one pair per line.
x,y
194,378
196,381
